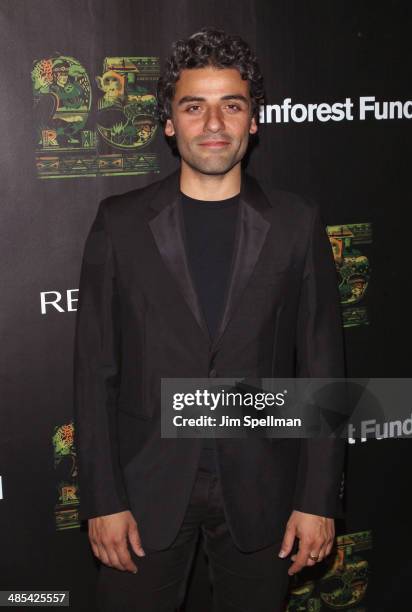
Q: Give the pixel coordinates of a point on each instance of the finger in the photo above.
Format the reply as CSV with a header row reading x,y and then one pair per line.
x,y
95,549
309,562
103,556
110,549
287,542
114,559
125,559
93,542
314,553
326,548
322,554
301,557
135,542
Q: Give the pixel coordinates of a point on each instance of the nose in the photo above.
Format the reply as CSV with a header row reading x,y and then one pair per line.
x,y
214,120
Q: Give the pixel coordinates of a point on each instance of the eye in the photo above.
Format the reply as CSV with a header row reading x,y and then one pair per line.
x,y
192,108
233,108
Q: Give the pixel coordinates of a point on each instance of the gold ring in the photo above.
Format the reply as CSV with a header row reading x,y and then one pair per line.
x,y
314,557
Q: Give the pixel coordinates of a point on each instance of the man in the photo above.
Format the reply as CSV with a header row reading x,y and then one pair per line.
x,y
202,274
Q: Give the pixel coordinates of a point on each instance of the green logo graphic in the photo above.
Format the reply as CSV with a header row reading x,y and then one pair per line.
x,y
66,509
86,132
341,585
353,268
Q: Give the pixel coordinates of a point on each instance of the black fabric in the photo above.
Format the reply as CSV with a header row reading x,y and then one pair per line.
x,y
282,318
209,237
242,582
209,240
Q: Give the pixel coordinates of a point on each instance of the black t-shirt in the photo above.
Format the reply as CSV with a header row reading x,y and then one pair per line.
x,y
210,237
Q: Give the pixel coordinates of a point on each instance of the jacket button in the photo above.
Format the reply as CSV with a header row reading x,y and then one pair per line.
x,y
212,373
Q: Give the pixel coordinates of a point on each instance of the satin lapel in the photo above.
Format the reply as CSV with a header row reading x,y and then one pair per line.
x,y
250,236
166,223
168,231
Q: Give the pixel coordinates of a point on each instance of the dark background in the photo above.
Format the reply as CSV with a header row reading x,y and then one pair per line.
x,y
359,171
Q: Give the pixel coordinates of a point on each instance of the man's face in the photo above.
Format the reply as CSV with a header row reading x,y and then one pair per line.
x,y
211,118
62,78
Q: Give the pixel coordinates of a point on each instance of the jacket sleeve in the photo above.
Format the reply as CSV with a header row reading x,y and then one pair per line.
x,y
319,354
97,377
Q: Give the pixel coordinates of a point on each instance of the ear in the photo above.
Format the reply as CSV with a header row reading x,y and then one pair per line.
x,y
253,126
169,128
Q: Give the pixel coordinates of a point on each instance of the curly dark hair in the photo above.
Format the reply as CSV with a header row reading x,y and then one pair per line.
x,y
208,47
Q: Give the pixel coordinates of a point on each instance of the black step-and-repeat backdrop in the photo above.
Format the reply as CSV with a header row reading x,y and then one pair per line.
x,y
77,124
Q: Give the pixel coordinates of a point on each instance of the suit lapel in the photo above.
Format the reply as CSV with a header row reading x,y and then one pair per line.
x,y
166,223
250,235
167,229
251,231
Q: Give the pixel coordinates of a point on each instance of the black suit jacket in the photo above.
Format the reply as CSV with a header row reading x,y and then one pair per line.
x,y
139,320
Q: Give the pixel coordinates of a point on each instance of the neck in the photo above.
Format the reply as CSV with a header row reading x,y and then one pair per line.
x,y
210,186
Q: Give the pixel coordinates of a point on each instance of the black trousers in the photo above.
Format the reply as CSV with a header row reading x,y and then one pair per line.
x,y
242,582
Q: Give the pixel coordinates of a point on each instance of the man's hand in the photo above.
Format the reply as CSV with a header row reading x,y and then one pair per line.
x,y
316,535
108,537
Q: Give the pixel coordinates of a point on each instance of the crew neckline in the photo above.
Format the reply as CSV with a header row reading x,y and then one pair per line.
x,y
210,204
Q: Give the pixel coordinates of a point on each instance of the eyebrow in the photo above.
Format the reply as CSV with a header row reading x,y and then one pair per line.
x,y
200,99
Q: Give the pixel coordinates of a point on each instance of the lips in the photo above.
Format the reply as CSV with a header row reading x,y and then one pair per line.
x,y
214,143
